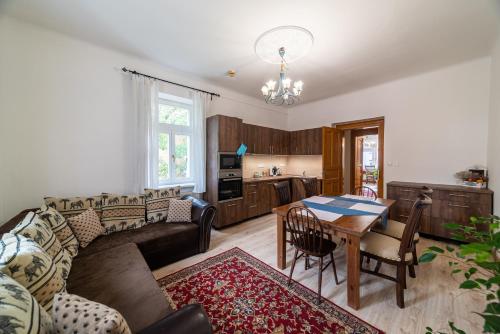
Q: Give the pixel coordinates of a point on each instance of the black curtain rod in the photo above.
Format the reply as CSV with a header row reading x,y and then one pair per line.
x,y
124,69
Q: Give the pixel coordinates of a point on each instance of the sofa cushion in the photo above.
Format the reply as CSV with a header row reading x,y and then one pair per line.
x,y
179,211
86,227
72,206
26,262
75,314
60,228
157,202
32,227
120,278
169,241
19,311
123,212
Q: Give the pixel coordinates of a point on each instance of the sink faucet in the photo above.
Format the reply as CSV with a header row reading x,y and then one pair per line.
x,y
304,173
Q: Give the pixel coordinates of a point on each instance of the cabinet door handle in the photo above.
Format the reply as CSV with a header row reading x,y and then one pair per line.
x,y
406,199
458,206
252,185
459,195
229,205
253,192
252,206
404,216
407,190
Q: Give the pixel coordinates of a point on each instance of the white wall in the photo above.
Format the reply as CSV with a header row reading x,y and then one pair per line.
x,y
62,120
436,123
494,128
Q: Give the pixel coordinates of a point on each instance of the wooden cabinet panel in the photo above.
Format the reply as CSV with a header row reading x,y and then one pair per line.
x,y
264,197
229,212
250,200
230,133
250,137
332,161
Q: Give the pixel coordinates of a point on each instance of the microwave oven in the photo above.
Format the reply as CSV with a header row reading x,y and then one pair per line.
x,y
229,161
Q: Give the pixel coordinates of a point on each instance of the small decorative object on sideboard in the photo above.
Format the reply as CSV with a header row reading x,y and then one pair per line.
x,y
474,177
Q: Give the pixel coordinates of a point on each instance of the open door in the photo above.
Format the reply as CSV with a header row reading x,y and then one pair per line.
x,y
332,162
358,162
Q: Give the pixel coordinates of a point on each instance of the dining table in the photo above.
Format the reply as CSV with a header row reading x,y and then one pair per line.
x,y
350,227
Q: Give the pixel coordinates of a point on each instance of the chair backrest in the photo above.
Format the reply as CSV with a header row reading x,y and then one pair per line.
x,y
305,229
283,194
412,224
310,186
426,191
365,192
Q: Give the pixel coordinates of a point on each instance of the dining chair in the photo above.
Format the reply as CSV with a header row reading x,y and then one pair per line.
x,y
385,249
395,229
365,192
309,239
310,186
283,194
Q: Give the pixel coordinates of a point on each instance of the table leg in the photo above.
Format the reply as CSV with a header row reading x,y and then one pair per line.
x,y
281,242
353,271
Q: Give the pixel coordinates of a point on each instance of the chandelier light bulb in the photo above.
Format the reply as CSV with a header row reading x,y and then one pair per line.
x,y
265,90
298,84
271,84
286,83
295,91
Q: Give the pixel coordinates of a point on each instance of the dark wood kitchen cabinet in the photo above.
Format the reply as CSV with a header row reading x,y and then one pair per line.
x,y
450,204
306,142
229,212
250,200
229,132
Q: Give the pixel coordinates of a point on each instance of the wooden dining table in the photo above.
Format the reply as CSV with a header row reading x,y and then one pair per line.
x,y
352,228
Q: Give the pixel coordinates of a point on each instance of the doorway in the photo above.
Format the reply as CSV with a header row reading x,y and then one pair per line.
x,y
363,157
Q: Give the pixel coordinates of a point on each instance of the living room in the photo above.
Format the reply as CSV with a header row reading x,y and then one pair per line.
x,y
162,164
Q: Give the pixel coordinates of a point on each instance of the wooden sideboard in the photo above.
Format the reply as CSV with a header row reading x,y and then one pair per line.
x,y
450,204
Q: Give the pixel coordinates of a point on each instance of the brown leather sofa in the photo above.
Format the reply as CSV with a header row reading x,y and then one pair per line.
x,y
115,270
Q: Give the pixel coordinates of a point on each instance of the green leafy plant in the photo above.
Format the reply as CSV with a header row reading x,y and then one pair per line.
x,y
478,262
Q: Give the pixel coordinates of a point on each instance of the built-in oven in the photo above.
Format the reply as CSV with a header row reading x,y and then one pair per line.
x,y
230,185
230,161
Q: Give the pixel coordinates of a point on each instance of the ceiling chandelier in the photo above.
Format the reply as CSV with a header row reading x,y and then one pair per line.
x,y
272,46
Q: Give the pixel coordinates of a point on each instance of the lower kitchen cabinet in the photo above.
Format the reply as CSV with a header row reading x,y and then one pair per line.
x,y
450,204
229,212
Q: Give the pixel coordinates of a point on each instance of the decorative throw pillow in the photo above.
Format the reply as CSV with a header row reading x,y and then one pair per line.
x,y
72,206
179,211
86,227
32,227
60,227
157,202
122,212
74,314
19,311
26,262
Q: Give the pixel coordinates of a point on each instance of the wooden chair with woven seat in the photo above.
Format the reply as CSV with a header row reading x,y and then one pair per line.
x,y
310,240
310,186
283,194
365,192
385,249
395,229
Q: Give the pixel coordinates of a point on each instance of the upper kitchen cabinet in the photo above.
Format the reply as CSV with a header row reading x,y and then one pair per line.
x,y
306,142
229,132
280,143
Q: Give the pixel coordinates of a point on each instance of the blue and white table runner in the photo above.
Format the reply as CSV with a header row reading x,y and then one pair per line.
x,y
332,208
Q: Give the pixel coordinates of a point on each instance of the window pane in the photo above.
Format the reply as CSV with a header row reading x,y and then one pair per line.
x,y
182,156
171,114
163,156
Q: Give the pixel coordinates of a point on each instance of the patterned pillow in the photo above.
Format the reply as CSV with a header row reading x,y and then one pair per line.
x,y
74,314
122,212
60,227
72,206
32,227
19,311
86,227
26,262
157,202
179,211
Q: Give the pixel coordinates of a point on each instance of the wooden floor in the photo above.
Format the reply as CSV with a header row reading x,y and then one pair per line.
x,y
431,299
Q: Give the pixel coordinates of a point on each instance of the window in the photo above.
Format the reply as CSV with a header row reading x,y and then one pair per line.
x,y
175,132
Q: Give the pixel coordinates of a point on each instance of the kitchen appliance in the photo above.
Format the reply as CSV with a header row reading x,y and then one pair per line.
x,y
230,185
274,171
229,161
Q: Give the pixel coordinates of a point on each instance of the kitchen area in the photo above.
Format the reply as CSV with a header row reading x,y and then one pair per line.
x,y
241,186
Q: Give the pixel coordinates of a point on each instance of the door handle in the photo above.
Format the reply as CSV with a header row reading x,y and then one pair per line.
x,y
458,206
229,205
459,195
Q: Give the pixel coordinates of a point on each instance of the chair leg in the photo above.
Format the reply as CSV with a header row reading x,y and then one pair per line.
x,y
307,264
411,271
415,258
334,269
400,285
293,266
320,276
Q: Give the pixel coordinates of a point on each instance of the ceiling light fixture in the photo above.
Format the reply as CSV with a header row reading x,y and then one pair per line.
x,y
272,46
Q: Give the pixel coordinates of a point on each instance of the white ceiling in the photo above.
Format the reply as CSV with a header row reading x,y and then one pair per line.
x,y
358,43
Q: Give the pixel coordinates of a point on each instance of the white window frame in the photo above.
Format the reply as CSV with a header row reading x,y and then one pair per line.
x,y
171,130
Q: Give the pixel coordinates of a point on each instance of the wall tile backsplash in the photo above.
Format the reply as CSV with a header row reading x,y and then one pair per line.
x,y
292,164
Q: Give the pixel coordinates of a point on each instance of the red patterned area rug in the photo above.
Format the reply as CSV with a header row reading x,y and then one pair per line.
x,y
241,294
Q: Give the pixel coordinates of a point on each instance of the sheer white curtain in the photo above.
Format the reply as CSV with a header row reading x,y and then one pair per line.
x,y
144,135
201,105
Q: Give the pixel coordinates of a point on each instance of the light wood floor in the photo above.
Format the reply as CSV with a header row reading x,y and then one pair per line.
x,y
431,299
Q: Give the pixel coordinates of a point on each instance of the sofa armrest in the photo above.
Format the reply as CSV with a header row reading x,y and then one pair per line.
x,y
202,214
191,319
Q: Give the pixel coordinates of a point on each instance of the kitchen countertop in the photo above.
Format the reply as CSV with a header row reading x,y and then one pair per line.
x,y
276,178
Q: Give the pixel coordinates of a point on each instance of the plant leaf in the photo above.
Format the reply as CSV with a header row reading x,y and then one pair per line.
x,y
449,248
491,323
436,249
427,257
454,271
493,308
454,329
468,284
